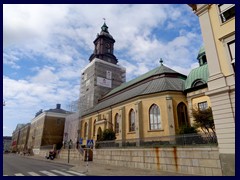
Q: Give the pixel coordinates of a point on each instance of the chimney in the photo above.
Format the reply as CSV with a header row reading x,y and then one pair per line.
x,y
58,106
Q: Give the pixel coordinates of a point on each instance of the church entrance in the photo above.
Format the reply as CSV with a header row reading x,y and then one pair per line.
x,y
99,134
182,115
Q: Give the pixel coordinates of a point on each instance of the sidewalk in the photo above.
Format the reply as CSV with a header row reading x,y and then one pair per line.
x,y
95,169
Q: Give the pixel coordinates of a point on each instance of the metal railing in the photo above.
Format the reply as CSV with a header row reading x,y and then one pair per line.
x,y
164,141
80,150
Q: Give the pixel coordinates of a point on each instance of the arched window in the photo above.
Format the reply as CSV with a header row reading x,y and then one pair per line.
x,y
94,127
131,120
85,130
182,115
198,82
154,118
99,134
117,123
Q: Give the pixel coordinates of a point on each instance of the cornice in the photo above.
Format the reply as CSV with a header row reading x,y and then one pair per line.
x,y
201,9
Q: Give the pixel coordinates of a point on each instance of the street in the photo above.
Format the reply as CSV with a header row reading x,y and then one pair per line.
x,y
16,165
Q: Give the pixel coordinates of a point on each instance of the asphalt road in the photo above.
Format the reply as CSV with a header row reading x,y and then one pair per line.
x,y
16,165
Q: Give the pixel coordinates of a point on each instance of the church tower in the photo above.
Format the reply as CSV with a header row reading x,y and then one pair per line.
x,y
102,74
104,46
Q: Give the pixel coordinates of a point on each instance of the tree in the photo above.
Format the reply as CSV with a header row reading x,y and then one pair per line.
x,y
203,119
108,134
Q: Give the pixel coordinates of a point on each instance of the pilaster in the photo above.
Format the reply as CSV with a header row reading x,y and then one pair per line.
x,y
171,124
138,122
122,129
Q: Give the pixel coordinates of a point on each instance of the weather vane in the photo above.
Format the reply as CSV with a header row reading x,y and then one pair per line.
x,y
104,19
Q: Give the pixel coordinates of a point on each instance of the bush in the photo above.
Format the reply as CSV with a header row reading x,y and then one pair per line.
x,y
108,134
187,130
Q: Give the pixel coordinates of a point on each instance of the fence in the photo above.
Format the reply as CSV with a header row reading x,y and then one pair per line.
x,y
177,140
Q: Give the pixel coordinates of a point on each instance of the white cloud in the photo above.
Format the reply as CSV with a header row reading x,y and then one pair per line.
x,y
58,39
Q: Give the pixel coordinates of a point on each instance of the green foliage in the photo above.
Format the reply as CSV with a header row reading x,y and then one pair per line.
x,y
187,130
203,119
108,134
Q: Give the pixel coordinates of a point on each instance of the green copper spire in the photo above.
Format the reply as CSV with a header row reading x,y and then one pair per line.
x,y
104,27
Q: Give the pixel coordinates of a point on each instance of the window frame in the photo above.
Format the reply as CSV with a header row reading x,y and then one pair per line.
x,y
132,120
226,40
155,122
197,83
230,53
221,17
203,107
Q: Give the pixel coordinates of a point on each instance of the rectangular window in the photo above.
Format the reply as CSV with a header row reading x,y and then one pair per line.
x,y
227,11
202,105
231,49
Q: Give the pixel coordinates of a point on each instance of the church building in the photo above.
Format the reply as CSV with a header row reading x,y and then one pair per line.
x,y
155,104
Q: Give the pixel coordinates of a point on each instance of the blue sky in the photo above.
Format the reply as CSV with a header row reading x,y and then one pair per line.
x,y
45,47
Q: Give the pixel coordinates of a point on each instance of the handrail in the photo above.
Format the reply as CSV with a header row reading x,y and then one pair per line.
x,y
80,150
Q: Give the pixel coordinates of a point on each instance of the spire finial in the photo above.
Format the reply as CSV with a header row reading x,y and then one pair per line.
x,y
161,61
104,26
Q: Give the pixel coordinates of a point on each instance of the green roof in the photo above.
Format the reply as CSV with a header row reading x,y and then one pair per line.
x,y
199,73
158,70
160,79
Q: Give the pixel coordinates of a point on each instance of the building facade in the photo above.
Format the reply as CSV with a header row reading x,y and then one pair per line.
x,y
152,105
47,129
15,137
217,23
23,138
196,86
156,104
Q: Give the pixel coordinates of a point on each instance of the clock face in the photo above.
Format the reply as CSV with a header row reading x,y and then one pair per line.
x,y
107,45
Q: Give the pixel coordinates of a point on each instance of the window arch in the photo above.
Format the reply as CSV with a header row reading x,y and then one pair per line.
x,y
198,82
117,123
154,118
85,130
131,120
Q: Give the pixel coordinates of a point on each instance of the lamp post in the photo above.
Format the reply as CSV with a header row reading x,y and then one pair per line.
x,y
69,147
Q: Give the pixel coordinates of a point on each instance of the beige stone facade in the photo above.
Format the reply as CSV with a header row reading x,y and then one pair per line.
x,y
218,30
15,138
105,119
197,161
47,129
23,138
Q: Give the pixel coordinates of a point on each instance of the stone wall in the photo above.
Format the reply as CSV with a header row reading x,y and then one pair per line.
x,y
197,161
